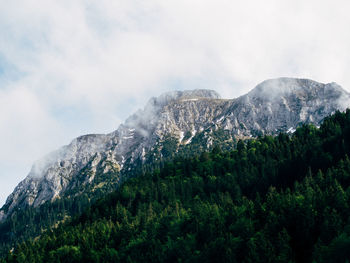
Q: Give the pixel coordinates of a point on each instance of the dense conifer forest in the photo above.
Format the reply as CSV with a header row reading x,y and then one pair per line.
x,y
270,199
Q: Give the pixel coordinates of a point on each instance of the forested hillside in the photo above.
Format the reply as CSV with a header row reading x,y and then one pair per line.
x,y
32,221
271,199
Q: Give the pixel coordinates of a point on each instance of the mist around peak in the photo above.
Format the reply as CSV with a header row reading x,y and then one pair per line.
x,y
171,96
272,89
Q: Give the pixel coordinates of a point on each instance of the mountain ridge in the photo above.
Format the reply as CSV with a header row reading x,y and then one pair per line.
x,y
180,116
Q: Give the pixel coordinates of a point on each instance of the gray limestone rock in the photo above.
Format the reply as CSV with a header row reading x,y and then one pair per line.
x,y
272,106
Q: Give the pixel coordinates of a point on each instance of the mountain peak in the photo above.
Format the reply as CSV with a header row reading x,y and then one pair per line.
x,y
279,87
196,119
195,94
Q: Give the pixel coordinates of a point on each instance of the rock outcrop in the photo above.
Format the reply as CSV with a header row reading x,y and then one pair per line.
x,y
271,107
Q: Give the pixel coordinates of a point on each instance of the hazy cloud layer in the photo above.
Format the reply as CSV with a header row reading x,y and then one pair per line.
x,y
74,67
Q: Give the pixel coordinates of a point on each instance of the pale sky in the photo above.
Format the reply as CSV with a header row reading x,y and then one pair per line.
x,y
69,68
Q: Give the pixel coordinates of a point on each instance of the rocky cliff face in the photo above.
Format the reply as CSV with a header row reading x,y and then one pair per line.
x,y
273,106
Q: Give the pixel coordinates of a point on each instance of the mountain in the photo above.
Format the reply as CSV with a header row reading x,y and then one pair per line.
x,y
272,199
170,123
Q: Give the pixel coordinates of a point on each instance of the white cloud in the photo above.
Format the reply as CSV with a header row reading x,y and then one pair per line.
x,y
27,131
72,67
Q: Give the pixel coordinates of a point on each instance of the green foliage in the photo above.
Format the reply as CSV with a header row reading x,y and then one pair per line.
x,y
187,136
31,222
169,147
273,199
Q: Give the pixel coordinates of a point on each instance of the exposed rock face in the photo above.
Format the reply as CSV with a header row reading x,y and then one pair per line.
x,y
273,106
280,104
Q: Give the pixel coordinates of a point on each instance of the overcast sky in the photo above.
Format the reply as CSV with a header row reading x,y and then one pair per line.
x,y
69,68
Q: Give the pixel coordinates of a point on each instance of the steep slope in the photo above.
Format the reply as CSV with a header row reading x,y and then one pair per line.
x,y
205,209
181,118
281,104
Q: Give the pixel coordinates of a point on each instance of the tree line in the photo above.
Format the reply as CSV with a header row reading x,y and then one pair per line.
x,y
270,199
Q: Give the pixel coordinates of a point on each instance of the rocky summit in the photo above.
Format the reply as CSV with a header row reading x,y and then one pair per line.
x,y
180,117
